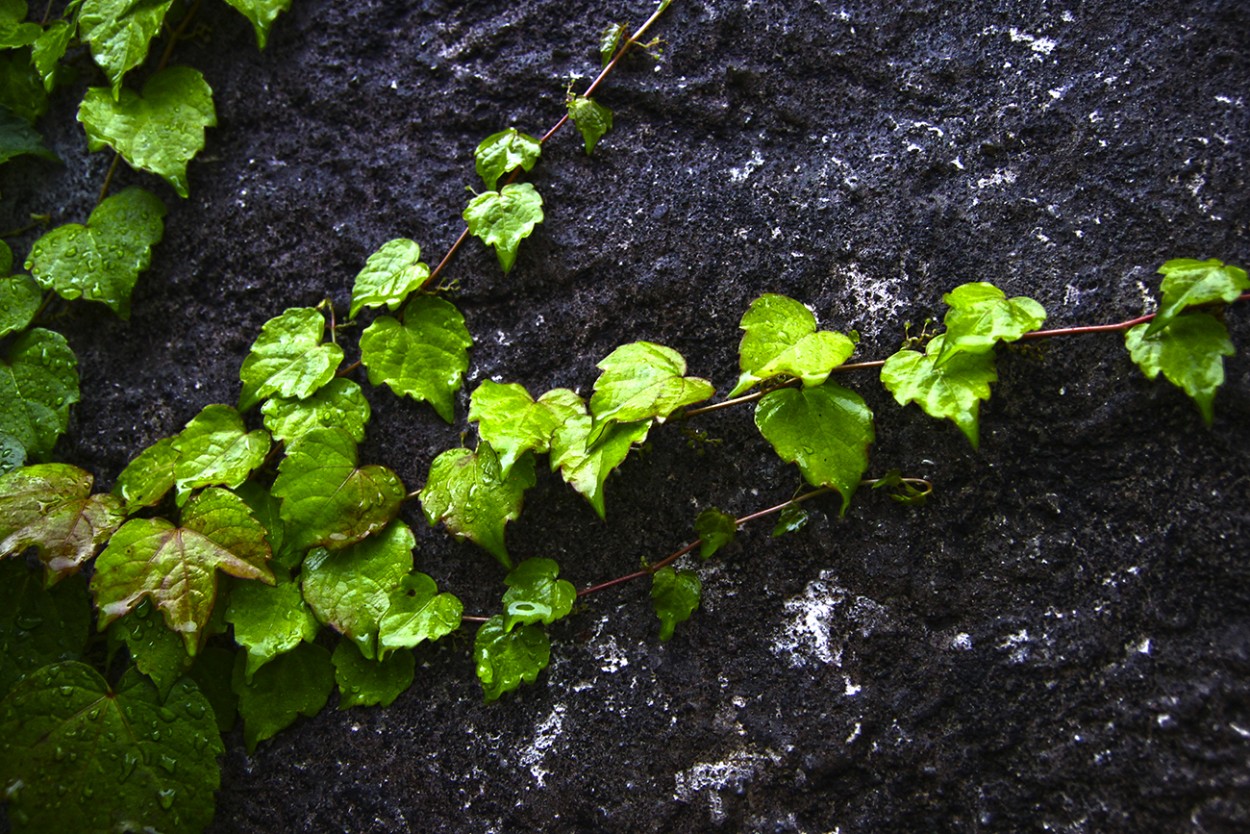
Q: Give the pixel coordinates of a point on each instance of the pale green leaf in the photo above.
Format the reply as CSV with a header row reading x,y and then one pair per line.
x,y
269,620
38,384
951,389
120,32
38,627
609,41
216,448
389,276
296,683
825,430
50,507
327,499
503,219
149,477
583,465
1189,352
592,119
86,757
19,138
467,491
504,659
981,316
365,682
1188,282
790,520
262,14
512,422
338,404
674,595
288,359
781,338
424,356
536,594
505,151
102,260
716,529
417,613
643,381
155,650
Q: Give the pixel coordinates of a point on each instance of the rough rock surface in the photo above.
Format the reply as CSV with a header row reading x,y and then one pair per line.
x,y
1058,641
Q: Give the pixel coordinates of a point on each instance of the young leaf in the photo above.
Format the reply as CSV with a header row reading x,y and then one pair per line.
x,y
50,507
38,627
1190,352
147,478
585,466
643,381
38,384
339,403
102,260
511,421
262,14
327,499
269,620
1187,282
216,448
296,683
155,650
89,757
609,41
952,388
424,356
505,151
467,492
48,50
503,219
119,33
505,659
390,274
591,118
365,682
288,358
176,567
981,316
674,596
825,430
781,338
790,520
716,529
350,589
158,131
536,595
417,612
19,138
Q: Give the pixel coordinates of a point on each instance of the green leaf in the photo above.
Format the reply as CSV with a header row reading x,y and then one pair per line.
x,y
536,595
262,14
339,403
19,299
1188,282
467,492
389,276
288,359
825,430
12,453
211,672
716,529
216,448
643,381
102,260
48,50
327,499
609,41
585,466
364,682
790,520
119,33
953,388
158,131
296,683
268,511
424,356
50,507
269,620
503,219
21,89
674,596
512,422
981,316
38,384
505,659
417,612
781,339
14,30
156,651
591,118
503,152
147,478
19,138
176,567
38,627
350,589
1189,352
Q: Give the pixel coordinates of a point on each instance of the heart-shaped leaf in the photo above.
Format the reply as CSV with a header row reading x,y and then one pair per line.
x,y
38,384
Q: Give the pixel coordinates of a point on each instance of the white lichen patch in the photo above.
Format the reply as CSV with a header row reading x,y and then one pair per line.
x,y
747,168
731,773
817,620
875,299
546,734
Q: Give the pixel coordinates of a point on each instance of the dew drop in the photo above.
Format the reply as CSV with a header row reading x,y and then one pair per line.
x,y
166,798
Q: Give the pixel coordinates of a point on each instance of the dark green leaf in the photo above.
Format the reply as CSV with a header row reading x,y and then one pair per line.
x,y
147,478
21,89
417,613
585,466
952,388
269,620
512,422
1190,352
296,683
505,151
781,338
216,448
119,33
38,384
48,50
268,511
790,520
981,316
19,138
38,627
503,219
536,595
643,381
262,14
211,673
102,260
364,682
156,651
12,453
424,356
591,118
674,596
389,276
14,30
1188,282
505,659
288,359
716,529
79,756
825,430
339,403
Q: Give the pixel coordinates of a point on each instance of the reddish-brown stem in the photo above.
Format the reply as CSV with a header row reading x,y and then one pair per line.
x,y
177,35
349,369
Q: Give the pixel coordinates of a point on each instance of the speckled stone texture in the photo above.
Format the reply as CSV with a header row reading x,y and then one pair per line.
x,y
1059,641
